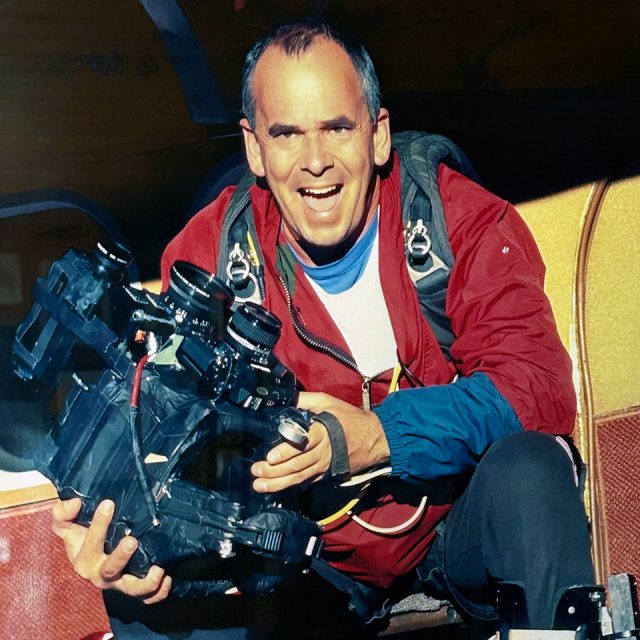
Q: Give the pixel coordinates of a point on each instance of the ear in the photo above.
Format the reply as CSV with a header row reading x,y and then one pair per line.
x,y
381,138
252,149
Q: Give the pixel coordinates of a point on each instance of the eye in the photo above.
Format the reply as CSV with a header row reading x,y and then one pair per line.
x,y
283,134
339,130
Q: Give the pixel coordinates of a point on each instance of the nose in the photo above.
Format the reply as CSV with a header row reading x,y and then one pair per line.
x,y
316,158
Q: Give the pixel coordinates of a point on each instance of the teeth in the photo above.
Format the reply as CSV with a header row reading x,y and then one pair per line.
x,y
320,193
321,200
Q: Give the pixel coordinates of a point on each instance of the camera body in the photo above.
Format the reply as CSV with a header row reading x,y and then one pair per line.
x,y
181,371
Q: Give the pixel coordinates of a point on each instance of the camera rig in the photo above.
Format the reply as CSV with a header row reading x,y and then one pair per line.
x,y
181,370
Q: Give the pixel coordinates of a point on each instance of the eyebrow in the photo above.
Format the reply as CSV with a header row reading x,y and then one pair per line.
x,y
340,121
278,129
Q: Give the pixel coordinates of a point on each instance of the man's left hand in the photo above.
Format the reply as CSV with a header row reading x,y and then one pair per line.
x,y
287,466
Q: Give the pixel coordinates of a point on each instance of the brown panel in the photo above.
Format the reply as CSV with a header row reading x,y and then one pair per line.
x,y
619,447
26,496
41,596
451,44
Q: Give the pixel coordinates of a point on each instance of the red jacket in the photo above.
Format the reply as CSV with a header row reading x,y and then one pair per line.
x,y
499,314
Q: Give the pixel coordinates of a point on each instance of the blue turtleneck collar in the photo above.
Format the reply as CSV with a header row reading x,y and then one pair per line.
x,y
342,274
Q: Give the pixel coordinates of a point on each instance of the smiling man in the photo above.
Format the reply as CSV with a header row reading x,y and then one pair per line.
x,y
318,156
470,436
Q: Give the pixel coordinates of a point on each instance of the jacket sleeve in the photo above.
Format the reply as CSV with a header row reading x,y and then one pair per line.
x,y
514,371
500,315
443,430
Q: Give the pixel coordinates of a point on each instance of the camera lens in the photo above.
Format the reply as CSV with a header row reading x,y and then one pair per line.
x,y
253,330
111,259
199,296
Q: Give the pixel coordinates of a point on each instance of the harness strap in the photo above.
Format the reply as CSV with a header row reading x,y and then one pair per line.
x,y
240,259
339,469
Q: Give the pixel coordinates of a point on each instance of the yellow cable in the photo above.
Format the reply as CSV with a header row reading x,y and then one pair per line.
x,y
338,514
393,386
397,370
253,254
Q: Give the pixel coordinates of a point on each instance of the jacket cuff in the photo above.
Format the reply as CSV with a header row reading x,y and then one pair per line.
x,y
388,415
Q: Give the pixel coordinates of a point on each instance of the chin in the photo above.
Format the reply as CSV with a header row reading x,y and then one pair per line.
x,y
326,249
323,240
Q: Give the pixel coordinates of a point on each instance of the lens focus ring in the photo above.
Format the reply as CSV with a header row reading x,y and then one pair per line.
x,y
256,325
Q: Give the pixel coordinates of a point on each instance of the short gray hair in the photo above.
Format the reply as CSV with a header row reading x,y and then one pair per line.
x,y
294,39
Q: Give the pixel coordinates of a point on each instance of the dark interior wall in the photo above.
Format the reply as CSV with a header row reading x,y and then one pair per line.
x,y
89,102
541,94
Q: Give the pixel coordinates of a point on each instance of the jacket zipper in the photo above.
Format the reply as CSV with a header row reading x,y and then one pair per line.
x,y
326,347
366,392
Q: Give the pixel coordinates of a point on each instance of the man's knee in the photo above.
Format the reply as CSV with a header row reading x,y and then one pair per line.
x,y
528,464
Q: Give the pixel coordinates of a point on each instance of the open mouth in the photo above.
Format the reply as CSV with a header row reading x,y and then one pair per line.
x,y
321,199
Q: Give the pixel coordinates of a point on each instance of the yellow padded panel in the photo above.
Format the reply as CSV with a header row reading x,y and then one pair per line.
x,y
613,300
555,224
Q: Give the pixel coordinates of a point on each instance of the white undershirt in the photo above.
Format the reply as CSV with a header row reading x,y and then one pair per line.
x,y
363,319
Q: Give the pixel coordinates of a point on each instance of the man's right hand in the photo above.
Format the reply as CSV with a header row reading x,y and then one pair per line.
x,y
85,549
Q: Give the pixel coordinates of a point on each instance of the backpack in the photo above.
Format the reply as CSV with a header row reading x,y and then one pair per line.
x,y
428,252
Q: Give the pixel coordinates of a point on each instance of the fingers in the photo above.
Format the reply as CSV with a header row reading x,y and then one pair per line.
x,y
90,555
85,548
162,592
299,463
114,563
91,562
147,587
285,479
286,466
283,452
314,401
106,571
63,513
97,533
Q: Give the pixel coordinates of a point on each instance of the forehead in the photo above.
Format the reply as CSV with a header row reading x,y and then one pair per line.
x,y
320,83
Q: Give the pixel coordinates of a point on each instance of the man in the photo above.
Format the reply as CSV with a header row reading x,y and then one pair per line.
x,y
328,203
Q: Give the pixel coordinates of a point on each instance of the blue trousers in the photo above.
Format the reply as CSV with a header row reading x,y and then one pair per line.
x,y
519,520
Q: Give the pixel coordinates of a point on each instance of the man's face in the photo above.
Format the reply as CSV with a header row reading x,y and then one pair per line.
x,y
316,145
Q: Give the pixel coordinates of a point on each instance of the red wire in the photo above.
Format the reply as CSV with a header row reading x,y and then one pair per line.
x,y
137,381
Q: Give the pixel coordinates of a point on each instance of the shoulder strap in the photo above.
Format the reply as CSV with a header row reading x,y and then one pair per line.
x,y
240,256
427,247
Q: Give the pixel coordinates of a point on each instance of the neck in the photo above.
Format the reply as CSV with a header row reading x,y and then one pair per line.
x,y
316,255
